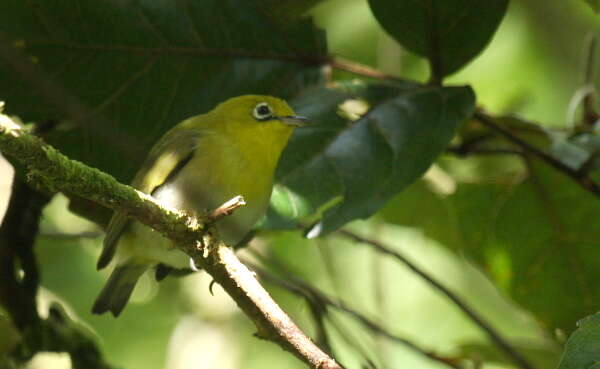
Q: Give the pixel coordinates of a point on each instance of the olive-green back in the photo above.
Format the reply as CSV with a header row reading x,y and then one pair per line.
x,y
165,159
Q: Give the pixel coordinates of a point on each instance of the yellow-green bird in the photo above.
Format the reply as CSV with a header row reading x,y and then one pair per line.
x,y
198,165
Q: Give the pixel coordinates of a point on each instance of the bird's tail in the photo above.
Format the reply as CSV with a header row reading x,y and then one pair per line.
x,y
118,289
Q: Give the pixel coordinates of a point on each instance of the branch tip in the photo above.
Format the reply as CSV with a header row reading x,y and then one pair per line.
x,y
227,208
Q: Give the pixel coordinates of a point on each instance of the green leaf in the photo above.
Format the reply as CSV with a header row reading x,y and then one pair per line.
x,y
554,258
118,74
582,350
338,171
449,33
595,4
537,239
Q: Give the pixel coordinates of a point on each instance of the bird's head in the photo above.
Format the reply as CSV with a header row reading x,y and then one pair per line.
x,y
258,115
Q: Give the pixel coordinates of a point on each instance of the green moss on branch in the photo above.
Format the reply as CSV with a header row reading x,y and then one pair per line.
x,y
56,172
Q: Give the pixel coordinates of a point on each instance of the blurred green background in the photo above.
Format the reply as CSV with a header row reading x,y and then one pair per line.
x,y
533,67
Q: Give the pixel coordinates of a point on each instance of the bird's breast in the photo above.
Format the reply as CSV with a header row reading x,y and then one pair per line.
x,y
215,175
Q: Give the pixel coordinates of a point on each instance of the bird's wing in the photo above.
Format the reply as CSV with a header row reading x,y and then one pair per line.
x,y
170,154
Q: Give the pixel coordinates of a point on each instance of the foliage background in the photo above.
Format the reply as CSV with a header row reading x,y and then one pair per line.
x,y
521,249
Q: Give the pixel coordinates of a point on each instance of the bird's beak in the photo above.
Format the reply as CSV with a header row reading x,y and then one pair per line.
x,y
294,120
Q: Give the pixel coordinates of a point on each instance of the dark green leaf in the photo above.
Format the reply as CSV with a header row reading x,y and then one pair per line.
x,y
595,4
554,258
283,11
583,347
346,170
119,73
449,33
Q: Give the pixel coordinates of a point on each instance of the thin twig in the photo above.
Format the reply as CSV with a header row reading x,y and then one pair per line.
x,y
303,289
461,151
227,208
362,70
459,302
317,308
53,170
271,321
581,178
351,339
475,145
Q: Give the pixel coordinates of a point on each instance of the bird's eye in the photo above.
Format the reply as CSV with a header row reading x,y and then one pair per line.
x,y
262,111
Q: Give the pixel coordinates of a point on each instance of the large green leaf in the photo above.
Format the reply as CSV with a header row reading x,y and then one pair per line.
x,y
555,257
122,72
342,170
583,347
448,32
537,239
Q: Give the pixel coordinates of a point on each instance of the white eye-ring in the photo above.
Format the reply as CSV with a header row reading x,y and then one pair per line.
x,y
262,111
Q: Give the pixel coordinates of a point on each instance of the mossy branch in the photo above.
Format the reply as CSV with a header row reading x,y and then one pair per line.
x,y
55,172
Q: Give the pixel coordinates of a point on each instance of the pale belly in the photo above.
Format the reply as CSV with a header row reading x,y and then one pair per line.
x,y
198,197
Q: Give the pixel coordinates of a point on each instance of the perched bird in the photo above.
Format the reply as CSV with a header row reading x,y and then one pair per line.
x,y
197,166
